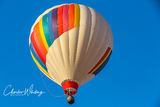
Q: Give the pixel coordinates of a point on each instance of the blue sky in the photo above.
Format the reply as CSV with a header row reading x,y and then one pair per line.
x,y
131,78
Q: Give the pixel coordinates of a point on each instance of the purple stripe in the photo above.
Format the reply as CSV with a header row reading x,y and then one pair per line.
x,y
50,27
54,23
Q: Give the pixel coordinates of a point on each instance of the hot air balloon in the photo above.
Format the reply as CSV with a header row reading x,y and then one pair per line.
x,y
70,44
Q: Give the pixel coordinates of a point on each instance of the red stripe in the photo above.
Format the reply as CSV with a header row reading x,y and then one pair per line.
x,y
37,47
71,16
65,18
106,53
60,20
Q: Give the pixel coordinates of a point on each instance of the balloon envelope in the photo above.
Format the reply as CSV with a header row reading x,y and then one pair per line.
x,y
71,44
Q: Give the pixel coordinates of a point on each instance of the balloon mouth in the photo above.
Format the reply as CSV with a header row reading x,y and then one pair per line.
x,y
70,87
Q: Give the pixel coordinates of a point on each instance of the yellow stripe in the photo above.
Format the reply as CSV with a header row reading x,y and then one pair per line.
x,y
42,35
77,15
101,62
39,66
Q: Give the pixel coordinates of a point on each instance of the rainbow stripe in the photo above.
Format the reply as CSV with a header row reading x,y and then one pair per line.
x,y
51,26
102,62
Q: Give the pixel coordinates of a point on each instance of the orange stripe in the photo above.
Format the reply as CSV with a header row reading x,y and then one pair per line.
x,y
71,16
37,30
60,20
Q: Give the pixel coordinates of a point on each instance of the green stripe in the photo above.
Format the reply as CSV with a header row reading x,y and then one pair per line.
x,y
45,30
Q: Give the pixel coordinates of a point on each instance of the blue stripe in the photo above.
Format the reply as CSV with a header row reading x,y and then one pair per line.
x,y
50,28
37,57
103,65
